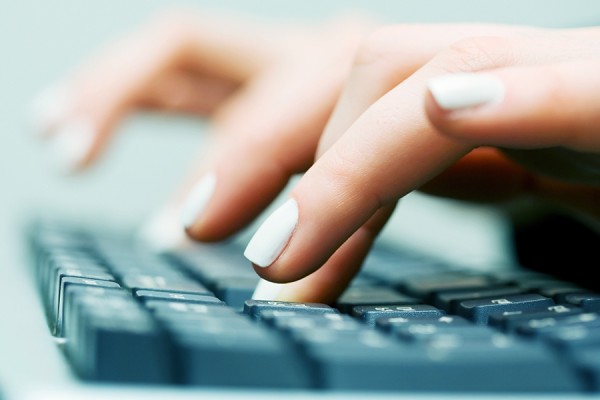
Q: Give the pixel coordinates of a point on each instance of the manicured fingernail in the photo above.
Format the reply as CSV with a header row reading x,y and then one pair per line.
x,y
198,199
266,290
272,236
71,143
458,91
162,231
48,108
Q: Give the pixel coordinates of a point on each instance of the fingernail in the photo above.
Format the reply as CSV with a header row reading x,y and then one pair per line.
x,y
198,199
162,231
266,290
48,108
458,91
71,143
272,236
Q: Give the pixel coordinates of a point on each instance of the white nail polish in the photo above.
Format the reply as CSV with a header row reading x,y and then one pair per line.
x,y
458,91
71,143
162,231
272,236
198,199
266,290
48,108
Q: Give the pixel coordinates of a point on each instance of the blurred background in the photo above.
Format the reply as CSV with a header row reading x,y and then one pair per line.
x,y
41,41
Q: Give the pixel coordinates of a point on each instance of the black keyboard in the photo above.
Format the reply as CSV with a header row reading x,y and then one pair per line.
x,y
406,323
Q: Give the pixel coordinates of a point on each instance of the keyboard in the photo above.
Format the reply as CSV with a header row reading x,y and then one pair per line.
x,y
122,313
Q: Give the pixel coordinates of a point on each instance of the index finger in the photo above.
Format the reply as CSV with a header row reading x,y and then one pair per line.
x,y
388,151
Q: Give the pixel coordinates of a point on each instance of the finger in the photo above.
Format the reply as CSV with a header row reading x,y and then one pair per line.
x,y
186,92
92,100
559,106
263,136
555,116
327,283
388,57
383,156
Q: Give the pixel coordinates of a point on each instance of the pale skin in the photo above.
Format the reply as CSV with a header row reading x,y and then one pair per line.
x,y
347,104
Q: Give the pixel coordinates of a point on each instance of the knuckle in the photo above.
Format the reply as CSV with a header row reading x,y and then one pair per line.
x,y
476,54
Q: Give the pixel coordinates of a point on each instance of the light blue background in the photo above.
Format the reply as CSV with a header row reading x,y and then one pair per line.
x,y
42,40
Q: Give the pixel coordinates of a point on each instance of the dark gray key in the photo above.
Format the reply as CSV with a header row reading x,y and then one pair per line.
x,y
518,274
212,263
370,296
149,295
228,356
571,337
425,287
292,321
167,283
255,308
111,338
58,273
589,302
509,321
165,308
235,291
370,314
65,283
479,310
393,323
424,332
393,267
559,293
542,327
449,300
497,365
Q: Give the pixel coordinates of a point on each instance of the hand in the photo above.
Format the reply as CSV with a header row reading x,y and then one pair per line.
x,y
423,114
272,89
268,90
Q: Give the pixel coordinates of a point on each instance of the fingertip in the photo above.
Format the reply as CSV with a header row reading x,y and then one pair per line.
x,y
461,105
197,201
48,107
465,90
162,232
71,144
272,236
267,290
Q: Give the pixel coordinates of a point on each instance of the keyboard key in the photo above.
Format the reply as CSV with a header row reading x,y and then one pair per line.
x,y
251,357
442,366
542,327
149,295
479,310
425,332
370,296
391,324
255,308
450,300
425,287
113,339
370,314
235,291
589,302
509,321
65,283
168,283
